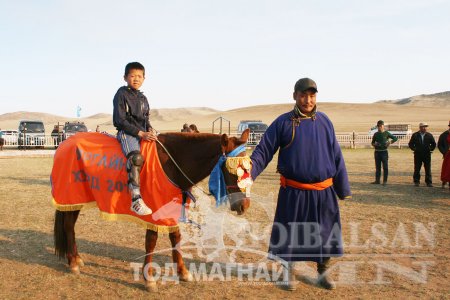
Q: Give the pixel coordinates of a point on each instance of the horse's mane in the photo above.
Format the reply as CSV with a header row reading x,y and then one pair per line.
x,y
189,136
179,140
184,139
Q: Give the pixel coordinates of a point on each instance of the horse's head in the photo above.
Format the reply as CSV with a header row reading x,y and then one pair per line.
x,y
236,171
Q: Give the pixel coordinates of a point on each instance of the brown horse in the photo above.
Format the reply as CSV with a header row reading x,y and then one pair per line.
x,y
188,151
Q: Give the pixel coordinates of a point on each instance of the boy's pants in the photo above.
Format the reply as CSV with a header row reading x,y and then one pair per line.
x,y
129,144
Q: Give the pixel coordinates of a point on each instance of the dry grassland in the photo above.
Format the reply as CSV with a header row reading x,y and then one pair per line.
x,y
347,117
29,269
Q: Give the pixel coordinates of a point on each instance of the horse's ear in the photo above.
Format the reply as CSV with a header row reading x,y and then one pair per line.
x,y
224,140
245,134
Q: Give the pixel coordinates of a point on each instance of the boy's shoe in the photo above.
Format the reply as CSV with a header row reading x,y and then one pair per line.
x,y
375,182
416,184
138,206
429,185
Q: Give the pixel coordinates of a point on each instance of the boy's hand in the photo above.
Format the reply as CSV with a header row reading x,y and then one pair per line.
x,y
148,136
154,131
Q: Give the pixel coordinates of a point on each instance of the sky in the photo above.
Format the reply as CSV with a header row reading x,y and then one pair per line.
x,y
57,55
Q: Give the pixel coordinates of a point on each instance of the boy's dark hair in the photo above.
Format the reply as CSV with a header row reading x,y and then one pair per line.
x,y
133,66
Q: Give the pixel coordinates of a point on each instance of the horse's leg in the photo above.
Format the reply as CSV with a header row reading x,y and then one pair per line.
x,y
175,238
150,243
69,227
78,259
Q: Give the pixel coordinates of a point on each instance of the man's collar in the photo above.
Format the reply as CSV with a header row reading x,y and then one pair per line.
x,y
299,114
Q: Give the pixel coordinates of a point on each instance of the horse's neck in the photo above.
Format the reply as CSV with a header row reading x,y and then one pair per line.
x,y
195,154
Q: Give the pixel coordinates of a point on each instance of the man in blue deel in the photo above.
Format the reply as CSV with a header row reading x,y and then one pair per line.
x,y
307,224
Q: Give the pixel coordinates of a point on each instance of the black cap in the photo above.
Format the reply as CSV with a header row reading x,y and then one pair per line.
x,y
305,84
380,122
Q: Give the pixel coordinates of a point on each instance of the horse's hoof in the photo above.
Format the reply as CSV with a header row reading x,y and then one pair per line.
x,y
75,270
187,277
79,261
151,286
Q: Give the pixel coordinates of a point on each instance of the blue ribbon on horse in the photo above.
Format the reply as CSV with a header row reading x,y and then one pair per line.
x,y
217,185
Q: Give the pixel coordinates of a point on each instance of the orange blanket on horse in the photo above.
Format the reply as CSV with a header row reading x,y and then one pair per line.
x,y
89,170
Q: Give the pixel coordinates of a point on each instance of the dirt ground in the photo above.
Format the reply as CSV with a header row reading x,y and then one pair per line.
x,y
397,241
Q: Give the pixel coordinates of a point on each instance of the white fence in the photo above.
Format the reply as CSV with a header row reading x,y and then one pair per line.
x,y
352,139
361,140
346,140
29,142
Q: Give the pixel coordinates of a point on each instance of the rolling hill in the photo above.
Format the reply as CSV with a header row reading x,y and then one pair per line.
x,y
441,100
434,109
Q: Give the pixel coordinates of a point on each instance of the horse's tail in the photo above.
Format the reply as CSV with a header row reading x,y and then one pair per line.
x,y
60,235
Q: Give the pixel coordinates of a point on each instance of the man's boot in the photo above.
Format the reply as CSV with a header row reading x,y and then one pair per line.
x,y
292,281
134,165
324,280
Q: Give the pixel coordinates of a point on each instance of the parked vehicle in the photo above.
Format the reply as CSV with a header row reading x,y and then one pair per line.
x,y
255,126
31,134
71,128
62,132
57,134
10,132
10,136
257,129
395,129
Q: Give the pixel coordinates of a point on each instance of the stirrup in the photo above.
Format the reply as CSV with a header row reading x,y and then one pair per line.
x,y
138,206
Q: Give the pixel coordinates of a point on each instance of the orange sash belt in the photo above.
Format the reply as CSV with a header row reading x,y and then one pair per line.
x,y
316,186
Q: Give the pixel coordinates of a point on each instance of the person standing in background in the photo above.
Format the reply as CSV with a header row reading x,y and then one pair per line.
x,y
423,144
186,128
2,140
193,128
381,142
443,146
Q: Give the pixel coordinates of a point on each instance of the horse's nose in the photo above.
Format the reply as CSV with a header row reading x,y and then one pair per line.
x,y
245,204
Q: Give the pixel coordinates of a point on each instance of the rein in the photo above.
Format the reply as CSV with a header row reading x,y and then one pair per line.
x,y
179,168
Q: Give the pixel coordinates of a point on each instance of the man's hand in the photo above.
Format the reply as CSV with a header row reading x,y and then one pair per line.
x,y
148,136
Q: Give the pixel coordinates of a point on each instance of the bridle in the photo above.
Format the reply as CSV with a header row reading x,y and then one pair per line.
x,y
239,166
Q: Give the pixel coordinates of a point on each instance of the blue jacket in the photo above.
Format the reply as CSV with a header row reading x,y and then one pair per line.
x,y
131,111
